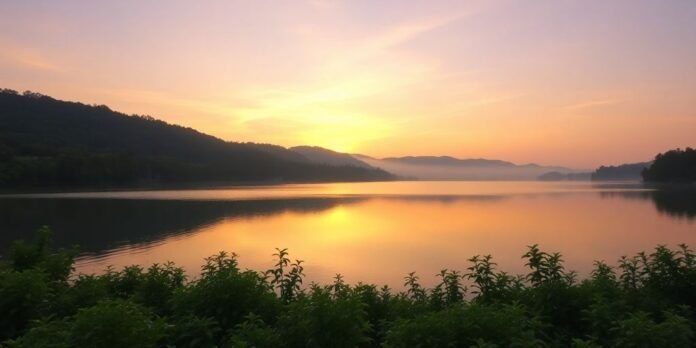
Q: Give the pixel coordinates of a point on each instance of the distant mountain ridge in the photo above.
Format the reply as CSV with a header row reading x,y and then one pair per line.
x,y
45,142
451,168
325,156
627,172
556,176
447,161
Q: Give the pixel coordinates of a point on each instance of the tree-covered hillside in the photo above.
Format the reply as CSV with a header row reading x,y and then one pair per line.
x,y
673,166
622,172
46,142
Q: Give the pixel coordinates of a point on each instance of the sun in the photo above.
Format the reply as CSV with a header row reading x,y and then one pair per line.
x,y
341,132
337,139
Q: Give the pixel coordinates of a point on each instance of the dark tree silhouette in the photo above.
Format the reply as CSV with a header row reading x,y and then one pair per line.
x,y
622,172
676,166
46,142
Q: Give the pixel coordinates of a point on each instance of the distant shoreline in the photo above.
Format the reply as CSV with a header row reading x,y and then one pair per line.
x,y
177,186
252,184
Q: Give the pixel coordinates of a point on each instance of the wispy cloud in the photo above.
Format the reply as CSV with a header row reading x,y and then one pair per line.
x,y
473,102
405,32
17,56
593,104
495,99
322,3
381,42
363,68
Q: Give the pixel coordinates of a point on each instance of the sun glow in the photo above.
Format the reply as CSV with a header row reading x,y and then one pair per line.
x,y
388,79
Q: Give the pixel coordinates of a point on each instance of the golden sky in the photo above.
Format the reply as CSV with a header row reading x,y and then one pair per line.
x,y
565,82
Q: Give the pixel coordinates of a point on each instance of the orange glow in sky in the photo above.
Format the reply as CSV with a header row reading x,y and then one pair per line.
x,y
572,83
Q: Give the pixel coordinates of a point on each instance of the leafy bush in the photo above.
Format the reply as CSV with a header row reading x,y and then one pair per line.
x,y
253,332
639,330
111,323
227,294
646,300
115,323
468,325
323,318
23,297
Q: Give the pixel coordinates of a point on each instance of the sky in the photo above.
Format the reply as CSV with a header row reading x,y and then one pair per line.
x,y
564,82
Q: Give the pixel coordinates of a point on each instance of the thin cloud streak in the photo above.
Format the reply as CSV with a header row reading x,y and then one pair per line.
x,y
348,82
594,104
495,100
392,37
23,57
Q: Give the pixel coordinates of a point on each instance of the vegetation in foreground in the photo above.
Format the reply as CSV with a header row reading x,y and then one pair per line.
x,y
645,301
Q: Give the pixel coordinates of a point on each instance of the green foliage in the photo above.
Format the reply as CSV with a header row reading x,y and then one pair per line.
x,y
414,290
46,334
644,301
287,282
639,330
23,297
37,255
191,331
546,268
253,332
467,325
115,323
30,277
451,284
158,286
110,323
319,319
488,284
227,294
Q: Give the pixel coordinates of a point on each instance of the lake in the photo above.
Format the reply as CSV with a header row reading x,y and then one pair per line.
x,y
370,232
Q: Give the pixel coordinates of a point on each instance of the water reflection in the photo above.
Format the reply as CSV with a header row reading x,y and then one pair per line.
x,y
678,203
373,238
98,225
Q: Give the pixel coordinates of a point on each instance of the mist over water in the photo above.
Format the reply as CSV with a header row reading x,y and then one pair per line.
x,y
370,232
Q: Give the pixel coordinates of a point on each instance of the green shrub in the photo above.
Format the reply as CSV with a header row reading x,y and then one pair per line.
x,y
320,319
639,330
111,323
24,296
645,301
115,323
227,294
57,265
191,331
253,333
158,286
45,334
468,325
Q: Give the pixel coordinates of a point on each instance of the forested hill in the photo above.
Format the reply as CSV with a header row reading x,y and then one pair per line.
x,y
631,171
674,166
46,142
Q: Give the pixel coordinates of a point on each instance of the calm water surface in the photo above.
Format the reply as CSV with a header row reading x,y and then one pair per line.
x,y
370,232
